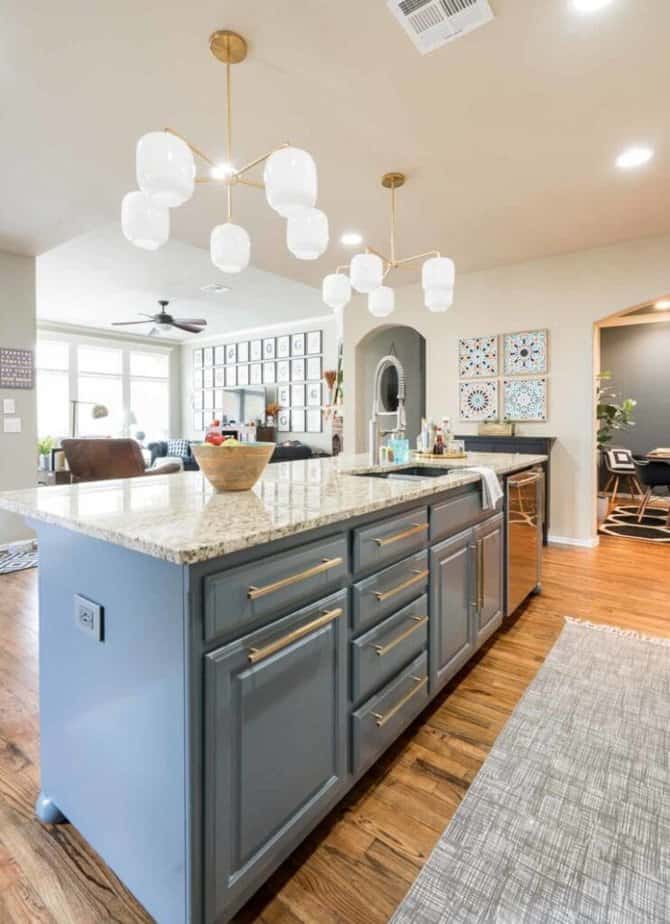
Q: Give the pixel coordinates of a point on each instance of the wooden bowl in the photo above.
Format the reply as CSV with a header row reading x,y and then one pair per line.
x,y
233,468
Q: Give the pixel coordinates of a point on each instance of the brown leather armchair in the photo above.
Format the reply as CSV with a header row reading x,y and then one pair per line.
x,y
102,459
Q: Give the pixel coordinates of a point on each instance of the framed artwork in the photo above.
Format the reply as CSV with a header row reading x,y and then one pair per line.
x,y
478,400
283,347
525,399
208,378
219,356
283,371
284,395
297,395
255,351
243,352
526,353
314,368
269,348
314,395
269,374
298,345
231,354
219,377
208,356
298,421
197,378
231,377
297,370
314,420
255,374
208,402
284,420
478,357
314,341
197,358
243,375
198,401
198,421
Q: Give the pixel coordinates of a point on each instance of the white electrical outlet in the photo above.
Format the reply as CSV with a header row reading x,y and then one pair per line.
x,y
88,617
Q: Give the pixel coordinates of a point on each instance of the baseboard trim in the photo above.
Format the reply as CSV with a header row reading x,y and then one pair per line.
x,y
571,540
19,545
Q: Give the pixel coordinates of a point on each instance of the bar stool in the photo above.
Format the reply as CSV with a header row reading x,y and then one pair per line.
x,y
653,475
621,467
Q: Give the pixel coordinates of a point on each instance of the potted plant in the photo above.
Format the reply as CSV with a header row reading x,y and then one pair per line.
x,y
613,417
44,447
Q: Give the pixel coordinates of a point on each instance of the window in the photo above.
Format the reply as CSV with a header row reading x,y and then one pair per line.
x,y
150,394
53,388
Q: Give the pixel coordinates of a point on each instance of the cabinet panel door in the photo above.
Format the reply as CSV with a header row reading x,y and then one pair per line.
x,y
450,638
275,745
489,616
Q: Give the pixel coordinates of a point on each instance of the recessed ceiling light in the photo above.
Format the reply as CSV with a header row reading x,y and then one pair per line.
x,y
663,304
634,157
351,238
589,6
217,288
221,171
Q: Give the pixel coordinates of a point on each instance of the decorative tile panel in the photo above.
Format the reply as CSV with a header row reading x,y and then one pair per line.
x,y
478,400
525,353
477,357
525,399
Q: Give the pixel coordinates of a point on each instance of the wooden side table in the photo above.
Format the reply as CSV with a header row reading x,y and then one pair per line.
x,y
51,478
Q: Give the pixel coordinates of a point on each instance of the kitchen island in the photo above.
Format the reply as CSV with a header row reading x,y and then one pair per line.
x,y
217,671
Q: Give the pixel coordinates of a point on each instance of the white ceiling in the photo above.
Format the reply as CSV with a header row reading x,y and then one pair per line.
x,y
508,136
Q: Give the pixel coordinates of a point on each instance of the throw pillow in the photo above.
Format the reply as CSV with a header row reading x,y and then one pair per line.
x,y
177,448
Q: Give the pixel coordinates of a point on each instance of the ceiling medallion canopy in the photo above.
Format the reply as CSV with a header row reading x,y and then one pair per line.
x,y
368,270
167,174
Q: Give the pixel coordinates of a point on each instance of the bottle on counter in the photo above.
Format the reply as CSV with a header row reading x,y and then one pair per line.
x,y
438,446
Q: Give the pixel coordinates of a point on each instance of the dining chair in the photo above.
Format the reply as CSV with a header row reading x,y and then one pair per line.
x,y
652,474
621,467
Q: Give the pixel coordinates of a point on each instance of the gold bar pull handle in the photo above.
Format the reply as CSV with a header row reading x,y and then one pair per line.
x,y
381,720
386,594
414,529
384,649
255,655
254,593
480,573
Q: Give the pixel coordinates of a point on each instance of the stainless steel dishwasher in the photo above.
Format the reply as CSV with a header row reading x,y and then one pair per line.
x,y
525,505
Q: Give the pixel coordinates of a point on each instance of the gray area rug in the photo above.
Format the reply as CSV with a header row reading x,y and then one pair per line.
x,y
568,819
18,561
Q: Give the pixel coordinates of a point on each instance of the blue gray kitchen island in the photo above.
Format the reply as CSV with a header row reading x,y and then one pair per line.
x,y
217,671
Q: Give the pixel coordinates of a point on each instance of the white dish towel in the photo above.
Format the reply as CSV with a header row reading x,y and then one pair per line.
x,y
491,490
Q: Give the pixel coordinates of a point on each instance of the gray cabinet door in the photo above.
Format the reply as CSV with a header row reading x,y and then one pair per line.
x,y
489,551
451,640
275,746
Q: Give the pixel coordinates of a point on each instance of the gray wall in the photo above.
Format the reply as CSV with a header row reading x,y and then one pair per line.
x,y
639,359
18,451
410,348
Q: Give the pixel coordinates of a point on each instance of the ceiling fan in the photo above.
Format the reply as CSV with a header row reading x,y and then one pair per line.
x,y
163,319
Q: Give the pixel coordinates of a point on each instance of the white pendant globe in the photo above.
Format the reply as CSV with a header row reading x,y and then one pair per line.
x,y
307,234
366,272
290,181
230,248
381,302
165,169
144,223
336,290
438,273
439,299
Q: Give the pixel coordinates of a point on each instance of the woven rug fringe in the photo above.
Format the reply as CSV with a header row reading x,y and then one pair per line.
x,y
616,630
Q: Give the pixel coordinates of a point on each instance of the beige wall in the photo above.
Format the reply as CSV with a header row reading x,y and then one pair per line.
x,y
565,294
18,451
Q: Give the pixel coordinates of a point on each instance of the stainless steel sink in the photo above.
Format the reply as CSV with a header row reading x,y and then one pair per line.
x,y
407,473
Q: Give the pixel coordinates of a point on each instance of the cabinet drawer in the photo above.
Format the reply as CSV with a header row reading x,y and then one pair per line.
x,y
456,513
390,539
381,594
241,599
380,653
379,722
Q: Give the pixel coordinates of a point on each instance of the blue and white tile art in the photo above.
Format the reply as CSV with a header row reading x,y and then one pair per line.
x,y
525,399
525,353
477,357
478,400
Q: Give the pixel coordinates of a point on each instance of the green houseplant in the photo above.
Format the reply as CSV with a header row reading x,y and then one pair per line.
x,y
44,447
612,416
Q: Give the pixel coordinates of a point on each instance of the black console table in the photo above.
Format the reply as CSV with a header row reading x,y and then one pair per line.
x,y
535,445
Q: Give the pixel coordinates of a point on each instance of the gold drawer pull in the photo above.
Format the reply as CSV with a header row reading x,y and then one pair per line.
x,y
418,576
416,528
381,720
255,592
258,654
384,649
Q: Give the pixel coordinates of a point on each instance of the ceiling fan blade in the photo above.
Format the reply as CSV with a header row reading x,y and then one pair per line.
x,y
200,321
191,328
126,323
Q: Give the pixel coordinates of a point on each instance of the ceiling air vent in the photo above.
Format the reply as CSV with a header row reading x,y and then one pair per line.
x,y
432,23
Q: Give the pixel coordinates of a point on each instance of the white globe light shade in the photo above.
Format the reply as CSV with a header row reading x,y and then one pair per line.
x,y
366,272
381,301
336,290
230,248
439,299
165,168
290,181
144,223
438,273
307,234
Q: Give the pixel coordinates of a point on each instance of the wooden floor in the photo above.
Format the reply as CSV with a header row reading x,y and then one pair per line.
x,y
359,863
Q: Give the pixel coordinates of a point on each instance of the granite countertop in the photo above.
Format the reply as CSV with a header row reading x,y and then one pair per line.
x,y
179,518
